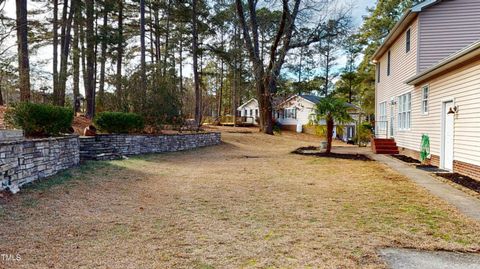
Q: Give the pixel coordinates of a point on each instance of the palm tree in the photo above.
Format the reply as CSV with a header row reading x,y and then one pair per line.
x,y
332,110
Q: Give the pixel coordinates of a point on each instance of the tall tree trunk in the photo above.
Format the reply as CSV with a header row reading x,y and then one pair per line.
x,y
22,43
76,60
167,35
327,72
198,94
64,52
120,56
220,95
103,59
150,15
157,36
1,84
57,87
90,57
180,64
83,56
234,85
55,48
95,52
143,66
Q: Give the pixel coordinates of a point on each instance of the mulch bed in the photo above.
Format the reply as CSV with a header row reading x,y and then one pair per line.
x,y
428,167
405,158
346,156
465,181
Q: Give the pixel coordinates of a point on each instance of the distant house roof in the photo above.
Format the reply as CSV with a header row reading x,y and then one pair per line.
x,y
402,25
468,53
315,100
308,97
312,98
248,102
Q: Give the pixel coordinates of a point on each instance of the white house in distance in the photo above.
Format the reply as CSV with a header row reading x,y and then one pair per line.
x,y
300,110
428,83
249,111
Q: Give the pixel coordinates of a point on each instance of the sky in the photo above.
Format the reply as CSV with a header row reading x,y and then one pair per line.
x,y
359,9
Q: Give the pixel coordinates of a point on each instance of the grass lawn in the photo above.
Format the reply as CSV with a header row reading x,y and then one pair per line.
x,y
247,203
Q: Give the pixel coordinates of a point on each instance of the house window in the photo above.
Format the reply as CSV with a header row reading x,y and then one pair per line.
x,y
256,112
425,93
251,112
382,118
378,72
407,42
404,111
388,63
245,112
290,113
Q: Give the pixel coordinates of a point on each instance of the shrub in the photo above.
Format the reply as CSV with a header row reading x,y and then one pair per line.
x,y
364,134
40,119
119,122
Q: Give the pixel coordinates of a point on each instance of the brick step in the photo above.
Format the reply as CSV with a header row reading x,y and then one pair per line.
x,y
384,141
376,140
384,146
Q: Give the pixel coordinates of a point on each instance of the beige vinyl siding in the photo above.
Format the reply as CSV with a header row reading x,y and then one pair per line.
x,y
403,66
463,86
446,28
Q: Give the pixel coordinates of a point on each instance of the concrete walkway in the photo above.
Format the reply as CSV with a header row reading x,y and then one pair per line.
x,y
413,259
467,204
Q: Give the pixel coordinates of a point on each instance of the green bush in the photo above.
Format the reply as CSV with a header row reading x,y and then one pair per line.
x,y
40,119
364,134
119,122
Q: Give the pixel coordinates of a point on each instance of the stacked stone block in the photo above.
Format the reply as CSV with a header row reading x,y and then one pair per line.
x,y
27,160
24,161
113,146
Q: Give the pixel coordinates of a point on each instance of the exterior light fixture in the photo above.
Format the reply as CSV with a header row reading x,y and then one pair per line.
x,y
453,110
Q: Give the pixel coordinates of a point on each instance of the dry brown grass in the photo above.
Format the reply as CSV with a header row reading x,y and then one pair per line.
x,y
248,203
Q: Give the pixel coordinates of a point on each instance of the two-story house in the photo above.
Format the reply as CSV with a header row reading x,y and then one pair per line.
x,y
428,83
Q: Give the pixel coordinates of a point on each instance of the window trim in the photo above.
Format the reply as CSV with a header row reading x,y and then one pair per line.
x,y
427,100
402,112
389,63
379,72
382,117
408,41
286,114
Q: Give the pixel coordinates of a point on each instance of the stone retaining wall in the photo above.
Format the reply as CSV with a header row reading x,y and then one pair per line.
x,y
26,160
112,146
